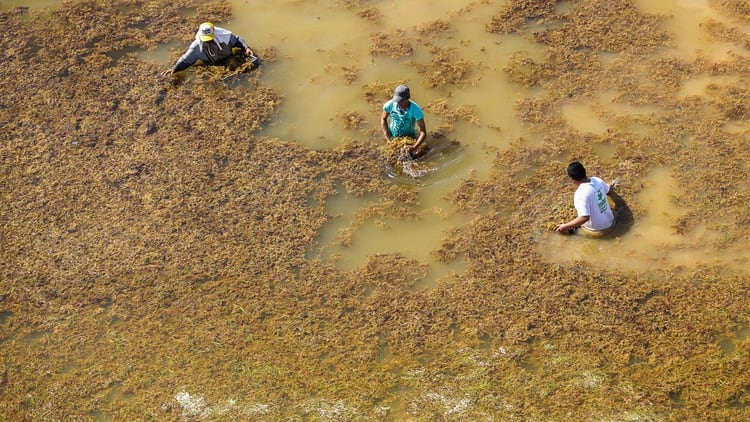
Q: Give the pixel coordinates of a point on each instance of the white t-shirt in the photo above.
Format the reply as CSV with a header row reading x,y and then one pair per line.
x,y
590,200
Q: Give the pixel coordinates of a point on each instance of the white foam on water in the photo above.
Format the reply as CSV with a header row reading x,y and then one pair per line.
x,y
197,407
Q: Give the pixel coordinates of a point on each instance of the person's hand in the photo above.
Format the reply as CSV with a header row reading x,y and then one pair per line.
x,y
406,151
564,229
249,52
167,72
615,184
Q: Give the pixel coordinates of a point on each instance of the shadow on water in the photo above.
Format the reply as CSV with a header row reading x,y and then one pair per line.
x,y
624,215
5,316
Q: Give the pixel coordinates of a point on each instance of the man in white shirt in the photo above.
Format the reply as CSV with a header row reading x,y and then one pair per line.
x,y
595,216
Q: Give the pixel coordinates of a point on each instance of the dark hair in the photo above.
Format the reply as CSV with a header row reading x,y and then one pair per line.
x,y
576,171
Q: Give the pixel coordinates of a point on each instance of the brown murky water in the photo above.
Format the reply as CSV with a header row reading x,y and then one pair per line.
x,y
239,246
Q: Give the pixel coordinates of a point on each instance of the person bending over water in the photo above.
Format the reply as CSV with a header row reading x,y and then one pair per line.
x,y
402,117
595,216
212,45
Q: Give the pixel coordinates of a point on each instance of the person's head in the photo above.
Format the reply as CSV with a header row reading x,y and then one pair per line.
x,y
576,171
401,94
206,31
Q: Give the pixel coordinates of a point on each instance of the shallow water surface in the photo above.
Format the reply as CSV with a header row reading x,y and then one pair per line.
x,y
316,40
34,4
323,65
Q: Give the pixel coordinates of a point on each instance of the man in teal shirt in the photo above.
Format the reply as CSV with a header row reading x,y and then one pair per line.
x,y
402,117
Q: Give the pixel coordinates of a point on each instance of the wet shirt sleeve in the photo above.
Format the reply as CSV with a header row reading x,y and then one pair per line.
x,y
238,42
192,55
417,112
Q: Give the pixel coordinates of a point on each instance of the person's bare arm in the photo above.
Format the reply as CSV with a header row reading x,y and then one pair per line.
x,y
576,222
613,186
422,134
384,126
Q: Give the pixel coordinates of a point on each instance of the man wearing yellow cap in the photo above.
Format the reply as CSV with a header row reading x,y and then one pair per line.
x,y
212,44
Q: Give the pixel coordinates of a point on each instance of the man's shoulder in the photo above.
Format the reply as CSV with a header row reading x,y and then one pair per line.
x,y
417,110
599,183
584,189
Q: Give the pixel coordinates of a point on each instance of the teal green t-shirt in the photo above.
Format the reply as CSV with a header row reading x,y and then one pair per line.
x,y
403,122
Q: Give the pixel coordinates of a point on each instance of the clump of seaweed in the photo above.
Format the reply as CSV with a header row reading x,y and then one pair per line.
x,y
398,156
234,66
537,112
672,71
435,27
560,210
377,92
737,9
348,4
450,116
351,74
446,67
371,14
720,31
394,45
523,70
606,26
516,15
352,120
732,102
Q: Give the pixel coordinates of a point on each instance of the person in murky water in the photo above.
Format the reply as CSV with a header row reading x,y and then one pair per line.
x,y
212,45
595,216
402,117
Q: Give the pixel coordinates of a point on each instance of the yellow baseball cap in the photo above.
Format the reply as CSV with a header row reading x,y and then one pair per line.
x,y
207,31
